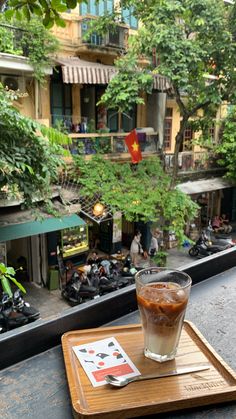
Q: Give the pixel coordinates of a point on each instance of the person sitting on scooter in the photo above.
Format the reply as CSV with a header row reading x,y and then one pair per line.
x,y
227,228
216,223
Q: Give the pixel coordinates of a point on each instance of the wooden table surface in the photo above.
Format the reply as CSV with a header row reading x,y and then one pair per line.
x,y
37,387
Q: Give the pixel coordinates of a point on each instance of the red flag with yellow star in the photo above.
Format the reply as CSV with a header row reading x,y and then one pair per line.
x,y
133,146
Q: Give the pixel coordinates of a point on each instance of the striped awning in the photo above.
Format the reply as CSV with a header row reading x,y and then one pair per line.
x,y
161,83
79,71
75,70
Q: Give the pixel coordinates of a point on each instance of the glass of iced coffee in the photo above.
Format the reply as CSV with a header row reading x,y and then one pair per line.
x,y
162,296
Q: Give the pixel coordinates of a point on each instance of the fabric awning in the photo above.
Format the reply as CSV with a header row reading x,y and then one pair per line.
x,y
32,228
75,70
204,185
161,83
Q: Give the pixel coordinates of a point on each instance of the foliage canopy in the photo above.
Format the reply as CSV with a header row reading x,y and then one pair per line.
x,y
227,146
140,192
48,10
30,154
31,39
192,43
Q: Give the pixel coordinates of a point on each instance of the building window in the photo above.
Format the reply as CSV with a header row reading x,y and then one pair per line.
x,y
129,18
212,133
96,8
187,140
168,128
128,121
61,100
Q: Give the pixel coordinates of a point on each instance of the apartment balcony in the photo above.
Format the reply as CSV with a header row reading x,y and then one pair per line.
x,y
111,43
111,145
11,40
194,163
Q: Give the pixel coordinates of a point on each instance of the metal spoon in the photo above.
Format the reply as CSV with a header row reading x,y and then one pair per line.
x,y
123,381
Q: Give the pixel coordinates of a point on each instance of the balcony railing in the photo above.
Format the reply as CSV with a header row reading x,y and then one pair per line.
x,y
110,143
113,145
115,38
192,161
11,40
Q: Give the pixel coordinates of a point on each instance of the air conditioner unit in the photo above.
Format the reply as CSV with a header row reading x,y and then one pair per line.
x,y
14,82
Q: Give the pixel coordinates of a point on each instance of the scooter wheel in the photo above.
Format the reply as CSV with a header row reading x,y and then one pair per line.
x,y
193,251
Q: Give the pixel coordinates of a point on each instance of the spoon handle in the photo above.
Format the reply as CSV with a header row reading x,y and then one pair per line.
x,y
177,371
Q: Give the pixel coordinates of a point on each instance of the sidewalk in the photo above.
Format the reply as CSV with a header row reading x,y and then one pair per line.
x,y
178,257
51,303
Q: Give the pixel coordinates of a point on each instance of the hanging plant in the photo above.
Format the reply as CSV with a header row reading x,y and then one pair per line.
x,y
41,45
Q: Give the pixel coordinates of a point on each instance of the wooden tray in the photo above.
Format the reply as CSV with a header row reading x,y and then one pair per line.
x,y
218,384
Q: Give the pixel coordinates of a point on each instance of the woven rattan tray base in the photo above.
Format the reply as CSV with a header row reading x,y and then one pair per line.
x,y
216,385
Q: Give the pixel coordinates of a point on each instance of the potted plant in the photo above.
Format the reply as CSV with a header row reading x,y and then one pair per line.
x,y
6,275
160,258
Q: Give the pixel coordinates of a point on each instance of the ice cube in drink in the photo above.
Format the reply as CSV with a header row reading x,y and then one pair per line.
x,y
162,307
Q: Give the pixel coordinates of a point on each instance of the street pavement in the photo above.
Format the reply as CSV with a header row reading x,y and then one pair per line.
x,y
51,303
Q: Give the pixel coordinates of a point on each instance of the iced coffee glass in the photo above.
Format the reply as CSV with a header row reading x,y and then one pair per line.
x,y
162,296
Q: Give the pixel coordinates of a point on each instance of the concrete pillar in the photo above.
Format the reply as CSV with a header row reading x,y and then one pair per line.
x,y
156,110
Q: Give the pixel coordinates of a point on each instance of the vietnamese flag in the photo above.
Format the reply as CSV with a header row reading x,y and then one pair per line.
x,y
133,146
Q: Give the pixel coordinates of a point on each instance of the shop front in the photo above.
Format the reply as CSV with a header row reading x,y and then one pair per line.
x,y
213,196
39,245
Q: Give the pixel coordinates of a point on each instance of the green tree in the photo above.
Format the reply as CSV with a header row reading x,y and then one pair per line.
x,y
140,192
193,42
227,146
48,10
33,38
30,154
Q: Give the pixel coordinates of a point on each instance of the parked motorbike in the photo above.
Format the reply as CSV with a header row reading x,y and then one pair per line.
x,y
15,312
107,282
20,305
100,280
220,239
203,247
97,279
125,269
76,292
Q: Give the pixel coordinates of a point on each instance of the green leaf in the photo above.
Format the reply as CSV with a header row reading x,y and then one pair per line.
x,y
26,12
71,4
47,19
9,13
60,22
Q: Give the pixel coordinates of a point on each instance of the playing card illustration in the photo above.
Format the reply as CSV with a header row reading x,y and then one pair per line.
x,y
104,357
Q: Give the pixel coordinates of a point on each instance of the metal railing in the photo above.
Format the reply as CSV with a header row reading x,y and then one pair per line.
x,y
192,161
110,143
114,38
11,40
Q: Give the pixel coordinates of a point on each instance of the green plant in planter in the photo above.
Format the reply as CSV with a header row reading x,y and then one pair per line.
x,y
160,258
6,274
